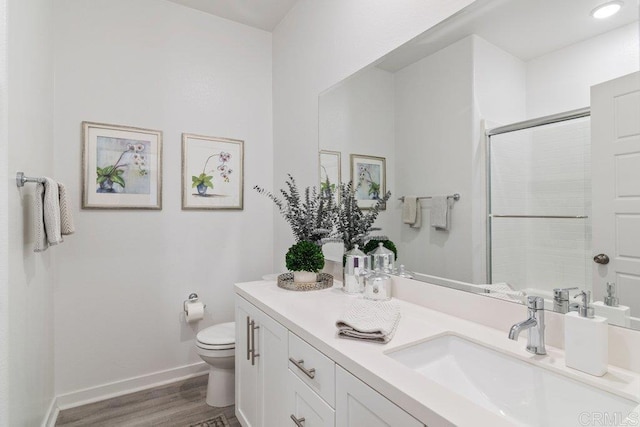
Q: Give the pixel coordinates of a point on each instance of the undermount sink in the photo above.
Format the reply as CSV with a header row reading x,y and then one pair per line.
x,y
516,390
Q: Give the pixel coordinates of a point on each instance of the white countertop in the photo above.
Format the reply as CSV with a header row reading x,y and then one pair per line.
x,y
312,316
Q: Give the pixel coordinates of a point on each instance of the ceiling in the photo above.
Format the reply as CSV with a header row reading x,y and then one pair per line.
x,y
262,14
525,28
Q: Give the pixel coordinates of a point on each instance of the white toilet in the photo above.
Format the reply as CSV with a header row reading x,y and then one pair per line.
x,y
216,345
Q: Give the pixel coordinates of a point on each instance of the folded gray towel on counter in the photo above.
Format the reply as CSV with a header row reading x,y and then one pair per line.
x,y
367,320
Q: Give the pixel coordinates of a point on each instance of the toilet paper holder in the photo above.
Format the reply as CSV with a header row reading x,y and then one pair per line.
x,y
193,297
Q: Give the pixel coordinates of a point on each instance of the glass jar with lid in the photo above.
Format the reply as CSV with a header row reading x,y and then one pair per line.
x,y
355,268
382,258
378,286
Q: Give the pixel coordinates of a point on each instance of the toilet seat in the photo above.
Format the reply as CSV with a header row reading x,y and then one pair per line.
x,y
217,337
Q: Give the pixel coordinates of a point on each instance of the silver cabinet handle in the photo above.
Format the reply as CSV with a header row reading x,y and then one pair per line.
x,y
311,373
248,339
253,342
298,421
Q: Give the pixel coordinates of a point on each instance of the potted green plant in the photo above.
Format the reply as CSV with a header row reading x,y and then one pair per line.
x,y
305,259
311,216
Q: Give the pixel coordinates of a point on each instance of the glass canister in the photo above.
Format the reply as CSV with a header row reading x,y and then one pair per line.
x,y
382,258
378,286
355,269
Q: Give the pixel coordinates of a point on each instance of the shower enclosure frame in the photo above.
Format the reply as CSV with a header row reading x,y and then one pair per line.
x,y
523,125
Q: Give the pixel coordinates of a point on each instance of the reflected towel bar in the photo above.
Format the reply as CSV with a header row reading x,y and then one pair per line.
x,y
21,179
455,197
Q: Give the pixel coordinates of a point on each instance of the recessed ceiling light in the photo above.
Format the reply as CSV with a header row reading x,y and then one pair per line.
x,y
606,10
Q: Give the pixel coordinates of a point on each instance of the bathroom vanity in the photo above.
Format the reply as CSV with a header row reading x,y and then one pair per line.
x,y
290,365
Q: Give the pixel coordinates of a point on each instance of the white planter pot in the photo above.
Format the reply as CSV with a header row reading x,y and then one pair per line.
x,y
304,277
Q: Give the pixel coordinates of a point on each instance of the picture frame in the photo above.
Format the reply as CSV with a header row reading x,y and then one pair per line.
x,y
368,174
330,172
212,172
121,167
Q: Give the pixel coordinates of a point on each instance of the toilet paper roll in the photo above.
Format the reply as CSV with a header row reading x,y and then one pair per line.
x,y
195,311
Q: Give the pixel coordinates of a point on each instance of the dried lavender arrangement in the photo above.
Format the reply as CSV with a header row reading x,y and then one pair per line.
x,y
311,216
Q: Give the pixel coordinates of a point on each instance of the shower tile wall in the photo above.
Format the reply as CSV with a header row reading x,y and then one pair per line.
x,y
542,171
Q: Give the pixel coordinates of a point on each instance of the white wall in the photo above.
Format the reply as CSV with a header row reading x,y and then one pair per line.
x,y
434,113
122,277
316,46
561,80
29,99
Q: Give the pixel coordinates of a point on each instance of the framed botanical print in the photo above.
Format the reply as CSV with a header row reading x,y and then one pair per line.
x,y
122,167
212,172
368,174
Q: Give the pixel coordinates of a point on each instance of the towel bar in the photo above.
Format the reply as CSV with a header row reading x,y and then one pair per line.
x,y
21,179
455,197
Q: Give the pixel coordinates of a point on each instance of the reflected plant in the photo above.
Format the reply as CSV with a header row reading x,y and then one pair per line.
x,y
353,226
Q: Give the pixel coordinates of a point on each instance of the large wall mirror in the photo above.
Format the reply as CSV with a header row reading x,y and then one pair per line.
x,y
507,104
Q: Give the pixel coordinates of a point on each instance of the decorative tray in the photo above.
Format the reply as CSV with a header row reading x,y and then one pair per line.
x,y
285,281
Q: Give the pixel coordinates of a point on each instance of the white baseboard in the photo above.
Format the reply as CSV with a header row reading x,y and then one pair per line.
x,y
130,385
52,414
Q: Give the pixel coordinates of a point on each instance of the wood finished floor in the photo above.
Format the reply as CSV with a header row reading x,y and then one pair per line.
x,y
178,404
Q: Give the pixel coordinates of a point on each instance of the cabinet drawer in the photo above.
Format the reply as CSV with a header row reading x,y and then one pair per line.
x,y
306,362
306,406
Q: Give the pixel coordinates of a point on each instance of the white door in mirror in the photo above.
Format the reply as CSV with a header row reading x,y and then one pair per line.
x,y
615,123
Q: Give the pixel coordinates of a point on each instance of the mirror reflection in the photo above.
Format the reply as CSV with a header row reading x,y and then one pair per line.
x,y
510,105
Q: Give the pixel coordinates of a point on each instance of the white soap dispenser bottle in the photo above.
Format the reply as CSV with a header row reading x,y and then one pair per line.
x,y
586,339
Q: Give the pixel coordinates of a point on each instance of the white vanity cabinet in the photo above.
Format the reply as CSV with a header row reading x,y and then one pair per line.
x,y
357,404
281,380
261,368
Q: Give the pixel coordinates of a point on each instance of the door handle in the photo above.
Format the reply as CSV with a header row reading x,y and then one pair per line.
x,y
601,259
298,421
311,373
248,339
253,327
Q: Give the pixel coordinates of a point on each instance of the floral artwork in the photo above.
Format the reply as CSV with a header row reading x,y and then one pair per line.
x,y
203,181
121,167
368,177
130,166
212,172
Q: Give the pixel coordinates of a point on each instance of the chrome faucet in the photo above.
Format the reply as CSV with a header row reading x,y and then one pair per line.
x,y
534,324
561,302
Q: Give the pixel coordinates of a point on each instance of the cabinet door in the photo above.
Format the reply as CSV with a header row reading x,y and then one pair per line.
x,y
359,405
246,374
272,349
306,406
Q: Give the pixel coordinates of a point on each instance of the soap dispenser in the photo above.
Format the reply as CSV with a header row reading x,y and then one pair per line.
x,y
611,308
586,343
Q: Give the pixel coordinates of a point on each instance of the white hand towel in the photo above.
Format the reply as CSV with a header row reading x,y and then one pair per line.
x,y
367,320
38,215
66,219
412,212
48,228
440,213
